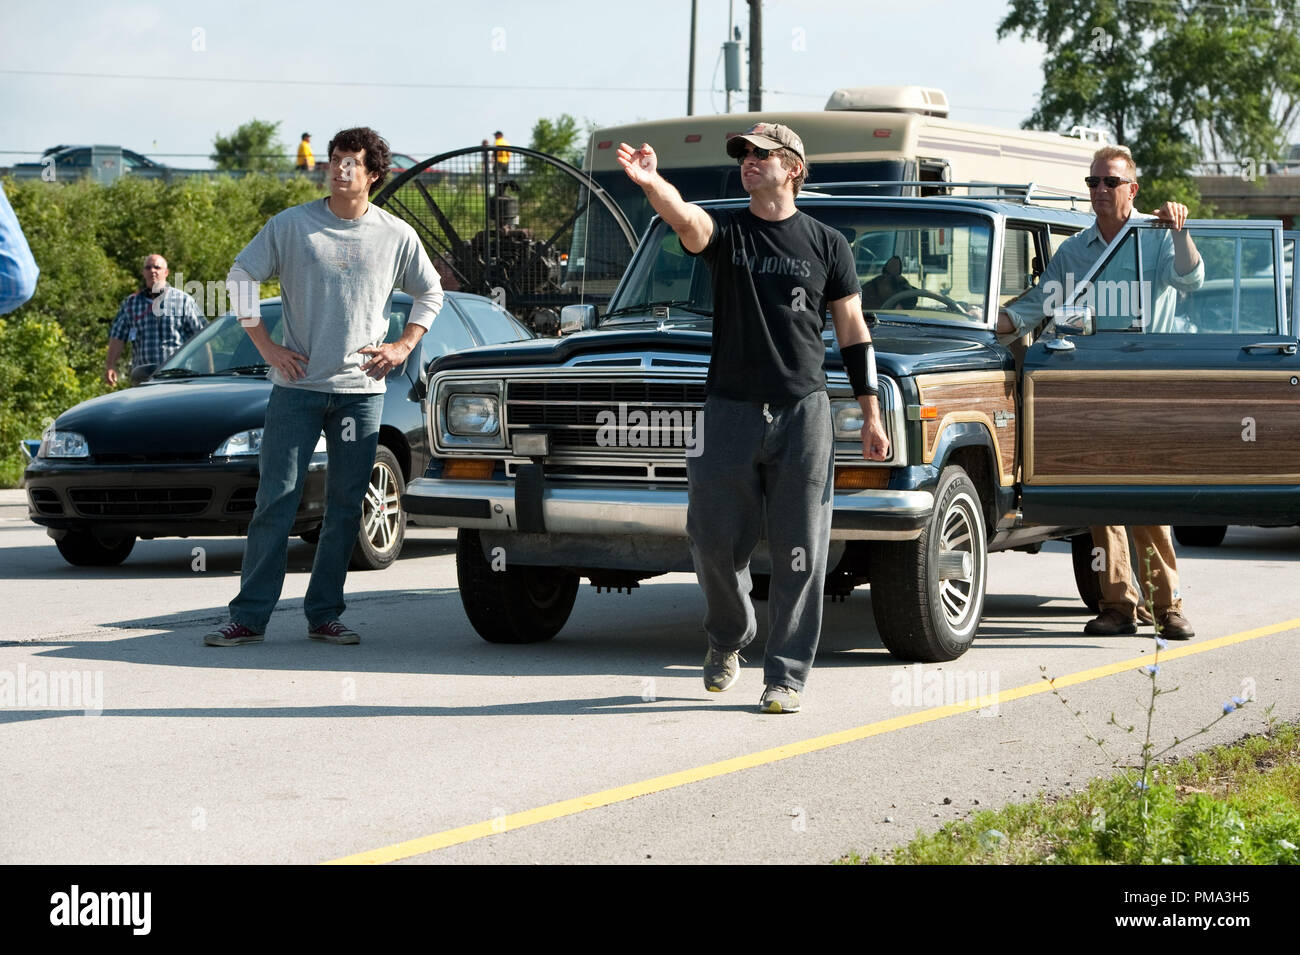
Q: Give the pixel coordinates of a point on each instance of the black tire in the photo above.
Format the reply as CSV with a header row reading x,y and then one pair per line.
x,y
383,522
919,616
311,537
1085,578
1200,535
83,549
513,604
759,585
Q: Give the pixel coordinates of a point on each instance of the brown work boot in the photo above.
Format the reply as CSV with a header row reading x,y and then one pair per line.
x,y
1109,623
1144,615
1174,626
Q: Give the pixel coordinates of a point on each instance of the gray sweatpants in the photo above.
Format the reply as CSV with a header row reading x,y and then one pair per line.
x,y
750,467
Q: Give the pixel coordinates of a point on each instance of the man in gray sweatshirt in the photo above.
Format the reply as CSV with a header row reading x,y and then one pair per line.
x,y
338,260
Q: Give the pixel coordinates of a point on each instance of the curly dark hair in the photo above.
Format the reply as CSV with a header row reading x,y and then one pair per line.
x,y
378,156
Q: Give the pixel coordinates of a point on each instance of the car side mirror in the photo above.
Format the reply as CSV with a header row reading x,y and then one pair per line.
x,y
577,318
141,373
1070,320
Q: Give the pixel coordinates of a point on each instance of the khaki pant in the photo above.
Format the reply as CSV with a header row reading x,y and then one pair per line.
x,y
1116,577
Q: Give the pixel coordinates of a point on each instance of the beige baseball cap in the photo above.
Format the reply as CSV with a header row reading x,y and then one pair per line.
x,y
765,136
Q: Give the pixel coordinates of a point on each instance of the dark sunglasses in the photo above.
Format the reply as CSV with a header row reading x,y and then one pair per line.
x,y
1112,182
756,152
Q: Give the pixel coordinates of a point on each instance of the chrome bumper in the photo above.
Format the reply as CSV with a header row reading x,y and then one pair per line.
x,y
594,509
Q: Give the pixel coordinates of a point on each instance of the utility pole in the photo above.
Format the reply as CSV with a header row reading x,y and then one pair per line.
x,y
729,51
755,56
690,70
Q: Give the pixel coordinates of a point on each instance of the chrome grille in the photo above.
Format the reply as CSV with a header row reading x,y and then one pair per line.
x,y
608,416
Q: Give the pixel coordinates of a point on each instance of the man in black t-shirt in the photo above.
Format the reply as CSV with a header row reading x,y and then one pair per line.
x,y
766,440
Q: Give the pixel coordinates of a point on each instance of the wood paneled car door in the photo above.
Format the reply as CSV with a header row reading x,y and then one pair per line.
x,y
1182,406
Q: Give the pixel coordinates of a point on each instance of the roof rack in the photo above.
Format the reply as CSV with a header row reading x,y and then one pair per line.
x,y
1005,191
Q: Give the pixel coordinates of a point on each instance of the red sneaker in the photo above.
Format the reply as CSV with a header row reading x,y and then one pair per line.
x,y
334,632
231,635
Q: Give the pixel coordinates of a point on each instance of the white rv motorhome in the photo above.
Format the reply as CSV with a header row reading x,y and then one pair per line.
x,y
900,136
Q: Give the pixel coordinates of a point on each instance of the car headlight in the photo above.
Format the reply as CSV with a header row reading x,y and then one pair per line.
x,y
239,444
473,414
847,416
250,442
467,414
63,444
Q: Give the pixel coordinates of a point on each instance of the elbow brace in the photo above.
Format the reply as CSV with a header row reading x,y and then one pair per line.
x,y
860,363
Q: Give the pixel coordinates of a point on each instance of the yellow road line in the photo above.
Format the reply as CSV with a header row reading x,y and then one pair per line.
x,y
607,797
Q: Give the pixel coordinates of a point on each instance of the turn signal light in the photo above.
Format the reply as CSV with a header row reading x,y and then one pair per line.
x,y
849,479
468,469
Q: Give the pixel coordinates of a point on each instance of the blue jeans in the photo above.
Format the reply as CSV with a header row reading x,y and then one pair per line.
x,y
295,419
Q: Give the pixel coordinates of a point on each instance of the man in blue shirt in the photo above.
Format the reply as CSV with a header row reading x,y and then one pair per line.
x,y
18,270
1171,265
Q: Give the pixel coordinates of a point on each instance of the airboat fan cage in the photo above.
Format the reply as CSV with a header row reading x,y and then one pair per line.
x,y
534,233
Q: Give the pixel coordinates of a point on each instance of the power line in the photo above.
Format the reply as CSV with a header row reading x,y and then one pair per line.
x,y
280,82
440,86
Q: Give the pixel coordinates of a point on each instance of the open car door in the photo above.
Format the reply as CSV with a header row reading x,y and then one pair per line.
x,y
1180,400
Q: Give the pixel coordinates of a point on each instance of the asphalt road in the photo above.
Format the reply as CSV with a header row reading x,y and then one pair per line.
x,y
427,745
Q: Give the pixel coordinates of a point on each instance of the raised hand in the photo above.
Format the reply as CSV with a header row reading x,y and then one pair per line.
x,y
1173,213
639,164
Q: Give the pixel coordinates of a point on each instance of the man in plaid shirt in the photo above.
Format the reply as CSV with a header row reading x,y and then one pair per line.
x,y
157,321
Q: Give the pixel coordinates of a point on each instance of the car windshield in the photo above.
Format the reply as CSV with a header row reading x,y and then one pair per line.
x,y
914,264
224,348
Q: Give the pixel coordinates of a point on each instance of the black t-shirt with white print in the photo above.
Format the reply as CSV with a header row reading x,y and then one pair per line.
x,y
771,283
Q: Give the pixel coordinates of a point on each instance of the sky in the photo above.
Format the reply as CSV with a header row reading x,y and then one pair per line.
x,y
165,78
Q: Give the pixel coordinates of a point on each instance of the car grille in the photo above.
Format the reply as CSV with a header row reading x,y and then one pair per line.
x,y
153,458
242,501
608,416
140,501
46,501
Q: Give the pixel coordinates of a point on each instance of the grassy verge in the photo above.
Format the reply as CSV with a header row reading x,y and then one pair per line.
x,y
1237,804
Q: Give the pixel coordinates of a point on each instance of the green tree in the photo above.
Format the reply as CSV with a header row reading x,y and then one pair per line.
x,y
559,137
548,196
36,384
1177,81
254,146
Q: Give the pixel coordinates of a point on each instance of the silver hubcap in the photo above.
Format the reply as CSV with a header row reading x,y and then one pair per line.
x,y
958,556
382,511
